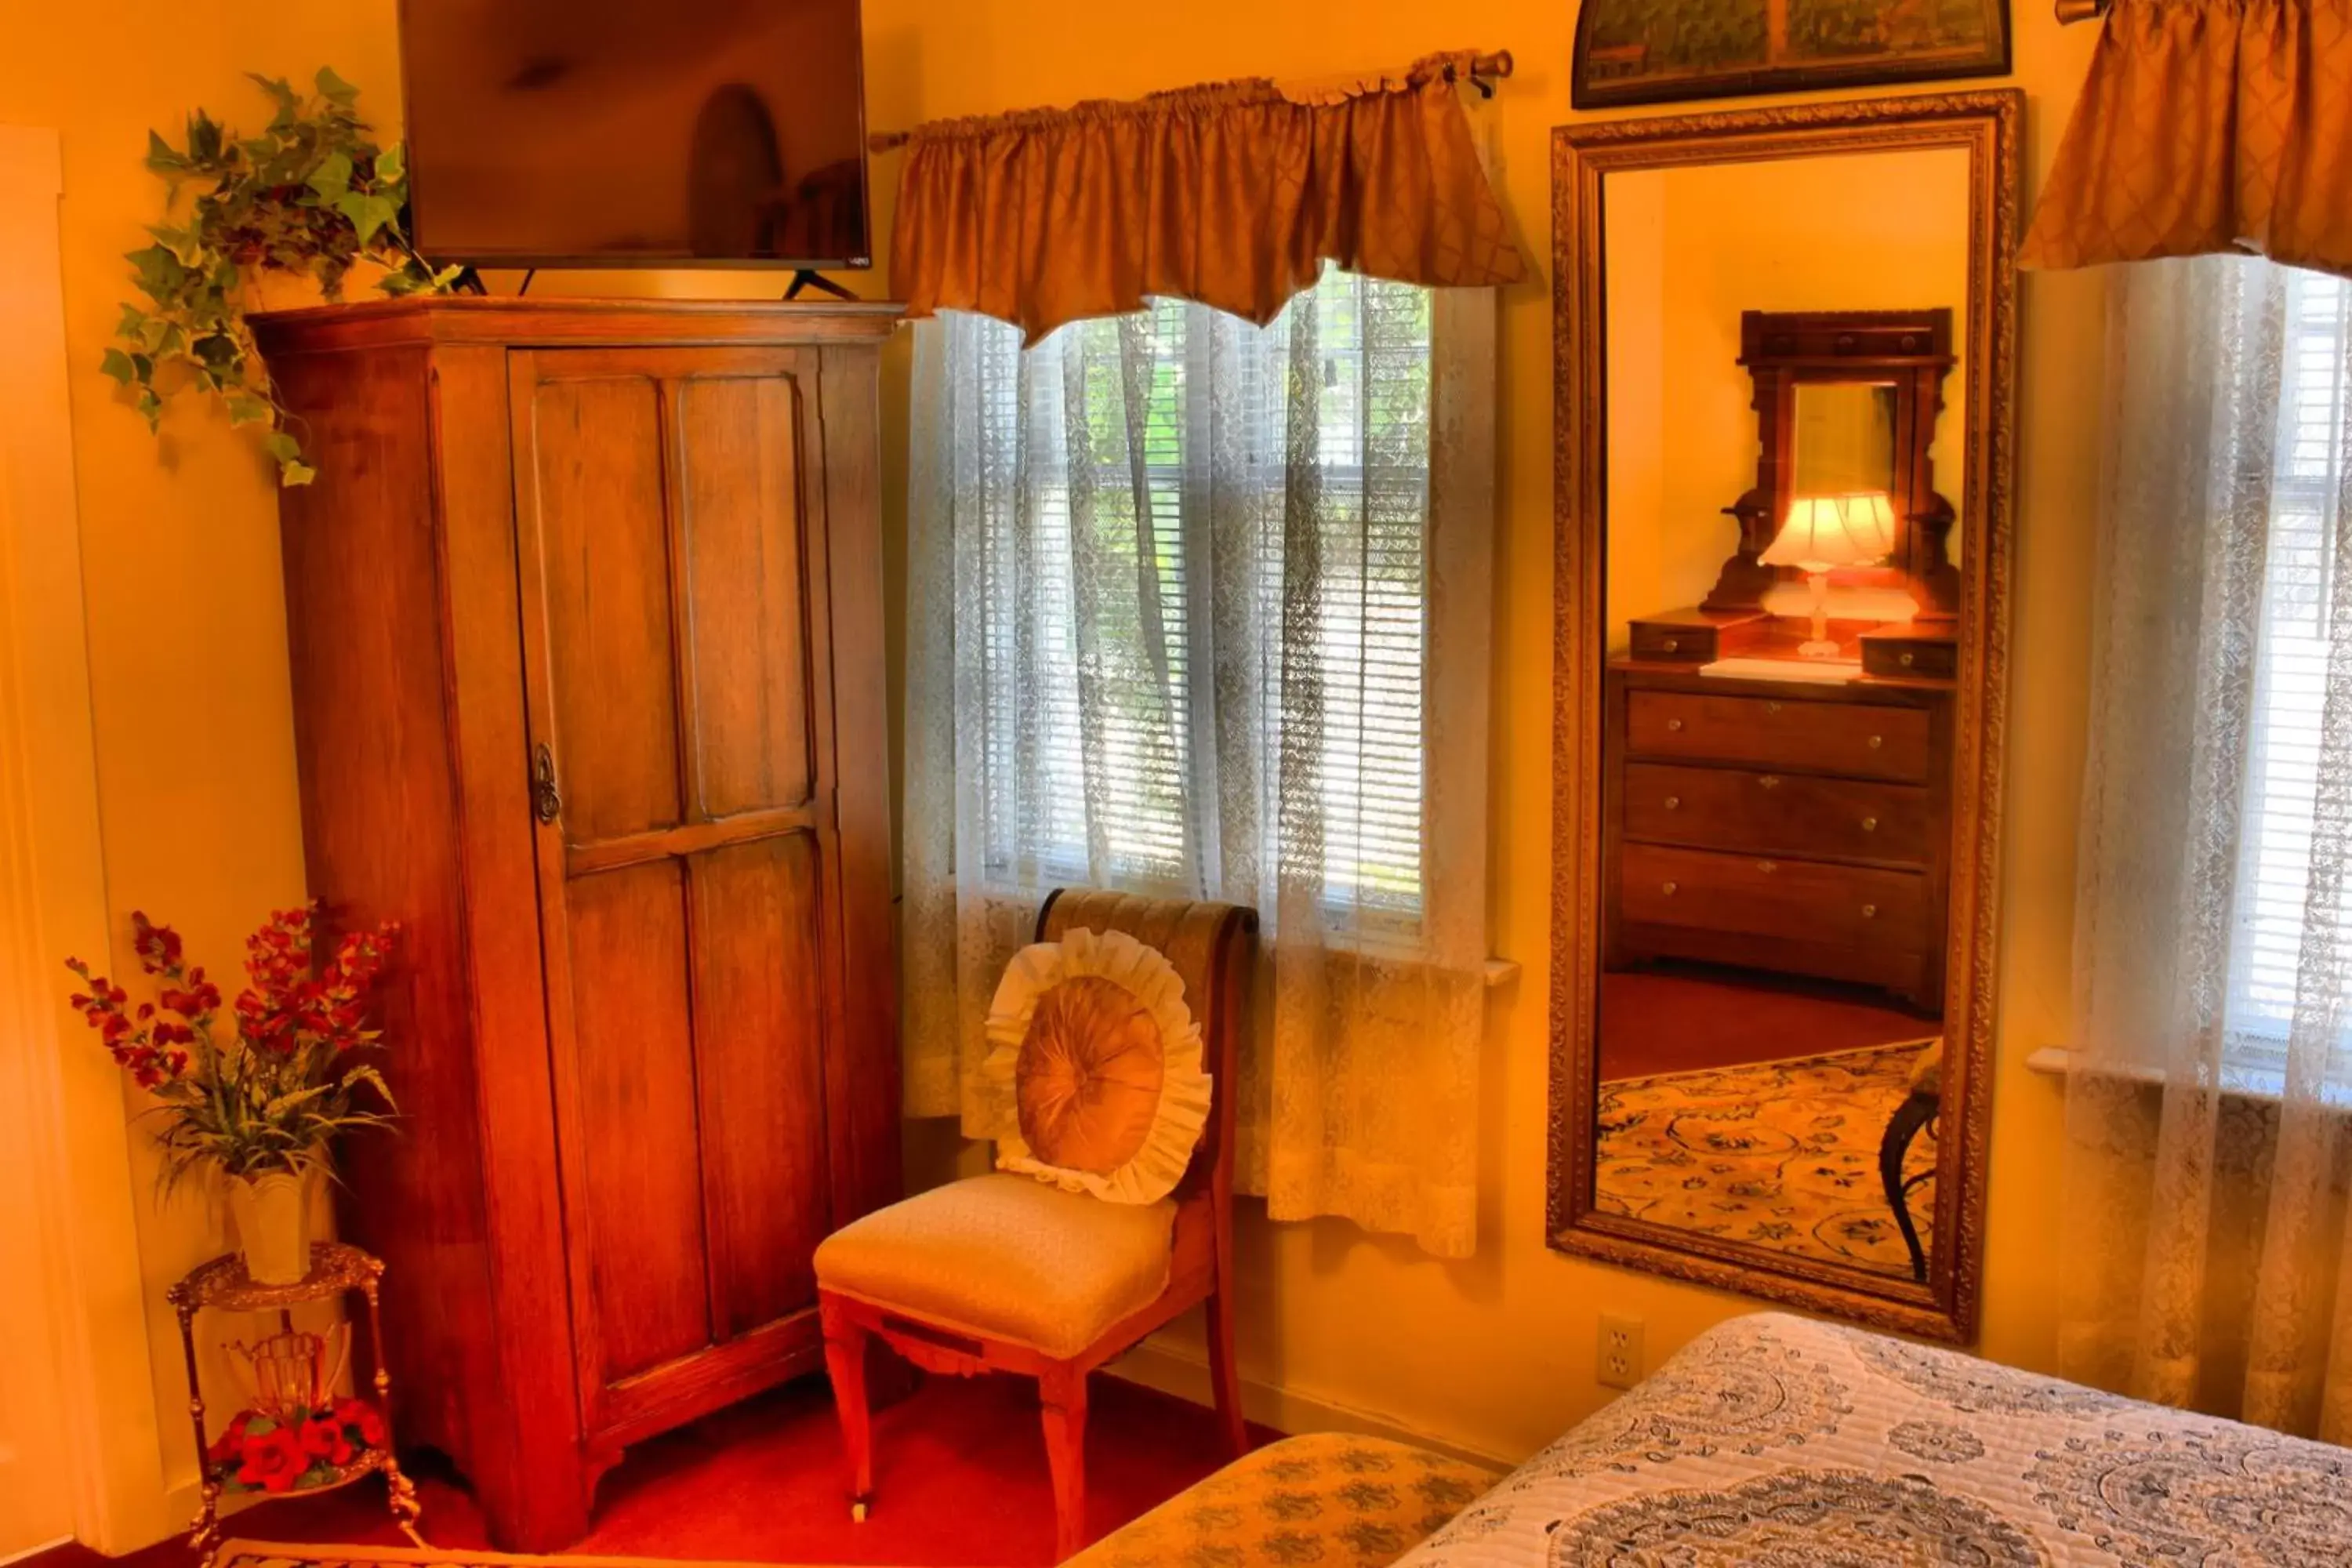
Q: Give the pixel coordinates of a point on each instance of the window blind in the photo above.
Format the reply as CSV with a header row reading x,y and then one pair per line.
x,y
2303,631
1107,567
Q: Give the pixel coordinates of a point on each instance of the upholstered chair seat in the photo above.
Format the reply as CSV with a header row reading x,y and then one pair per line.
x,y
1005,1257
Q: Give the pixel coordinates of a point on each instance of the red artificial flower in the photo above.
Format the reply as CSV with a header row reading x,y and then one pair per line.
x,y
324,1438
225,1447
274,1460
198,999
364,1420
158,947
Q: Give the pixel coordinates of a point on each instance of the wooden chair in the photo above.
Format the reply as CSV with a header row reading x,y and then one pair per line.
x,y
1004,1273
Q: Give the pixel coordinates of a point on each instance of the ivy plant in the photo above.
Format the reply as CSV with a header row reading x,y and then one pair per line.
x,y
313,194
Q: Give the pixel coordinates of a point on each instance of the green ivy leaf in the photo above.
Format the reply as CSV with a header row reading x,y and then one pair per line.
x,y
243,409
391,164
367,211
219,350
162,157
281,92
159,271
282,447
292,474
335,90
204,138
332,177
117,364
185,248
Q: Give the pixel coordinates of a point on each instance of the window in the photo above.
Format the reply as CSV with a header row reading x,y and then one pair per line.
x,y
1201,588
2302,631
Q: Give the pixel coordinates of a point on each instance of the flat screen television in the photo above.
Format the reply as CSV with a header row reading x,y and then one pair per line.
x,y
636,132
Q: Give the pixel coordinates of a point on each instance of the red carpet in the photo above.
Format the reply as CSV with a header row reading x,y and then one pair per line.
x,y
1682,1017
959,1478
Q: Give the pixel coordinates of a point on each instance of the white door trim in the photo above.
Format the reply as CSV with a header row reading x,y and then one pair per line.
x,y
60,1098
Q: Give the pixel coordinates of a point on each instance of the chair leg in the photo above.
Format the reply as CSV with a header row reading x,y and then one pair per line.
x,y
1224,1371
1062,1389
845,1361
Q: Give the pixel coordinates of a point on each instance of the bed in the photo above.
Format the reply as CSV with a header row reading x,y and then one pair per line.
x,y
1773,1440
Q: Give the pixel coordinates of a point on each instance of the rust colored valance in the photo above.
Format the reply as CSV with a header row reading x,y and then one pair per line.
x,y
1232,194
2208,125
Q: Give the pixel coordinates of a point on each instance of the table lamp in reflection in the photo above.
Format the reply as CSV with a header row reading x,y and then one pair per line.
x,y
1823,533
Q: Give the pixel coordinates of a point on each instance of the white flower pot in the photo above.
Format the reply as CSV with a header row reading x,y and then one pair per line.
x,y
273,1226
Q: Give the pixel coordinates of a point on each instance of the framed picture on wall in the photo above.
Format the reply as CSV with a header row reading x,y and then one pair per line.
x,y
1668,51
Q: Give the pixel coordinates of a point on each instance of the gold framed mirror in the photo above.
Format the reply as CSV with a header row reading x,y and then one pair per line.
x,y
1785,359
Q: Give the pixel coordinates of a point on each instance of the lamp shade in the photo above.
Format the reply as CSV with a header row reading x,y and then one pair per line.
x,y
1828,531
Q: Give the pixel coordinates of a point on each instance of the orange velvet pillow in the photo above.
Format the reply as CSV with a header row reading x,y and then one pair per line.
x,y
1101,1062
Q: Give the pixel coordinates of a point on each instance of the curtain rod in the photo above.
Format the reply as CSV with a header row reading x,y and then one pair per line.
x,y
1497,65
2072,11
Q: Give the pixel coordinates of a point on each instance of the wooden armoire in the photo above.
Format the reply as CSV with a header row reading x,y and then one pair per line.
x,y
584,610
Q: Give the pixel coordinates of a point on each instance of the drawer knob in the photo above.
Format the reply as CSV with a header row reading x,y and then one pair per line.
x,y
1768,781
1674,802
1905,661
1673,725
1876,741
1771,707
1768,867
1670,644
1667,888
1870,825
1870,912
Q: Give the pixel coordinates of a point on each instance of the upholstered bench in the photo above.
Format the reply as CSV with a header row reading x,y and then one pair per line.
x,y
1331,1498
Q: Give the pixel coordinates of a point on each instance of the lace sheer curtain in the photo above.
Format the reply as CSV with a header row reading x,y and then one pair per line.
x,y
2208,1153
1200,608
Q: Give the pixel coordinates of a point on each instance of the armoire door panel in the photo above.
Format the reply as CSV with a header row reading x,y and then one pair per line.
x,y
604,543
639,1129
758,1051
671,555
739,486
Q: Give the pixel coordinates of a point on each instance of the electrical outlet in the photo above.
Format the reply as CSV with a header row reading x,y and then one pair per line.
x,y
1620,1358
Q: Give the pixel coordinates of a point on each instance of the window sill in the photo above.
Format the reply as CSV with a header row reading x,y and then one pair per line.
x,y
2252,1084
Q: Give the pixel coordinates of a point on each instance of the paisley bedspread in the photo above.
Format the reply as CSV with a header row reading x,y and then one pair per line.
x,y
1773,1440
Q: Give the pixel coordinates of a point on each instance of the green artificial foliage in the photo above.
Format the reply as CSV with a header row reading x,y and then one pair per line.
x,y
312,194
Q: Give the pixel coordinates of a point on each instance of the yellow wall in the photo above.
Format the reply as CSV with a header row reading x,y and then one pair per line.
x,y
1496,1354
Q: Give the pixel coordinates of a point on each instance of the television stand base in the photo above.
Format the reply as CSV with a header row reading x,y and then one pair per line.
x,y
807,277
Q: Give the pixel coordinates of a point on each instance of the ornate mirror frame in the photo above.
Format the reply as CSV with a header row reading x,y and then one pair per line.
x,y
1987,126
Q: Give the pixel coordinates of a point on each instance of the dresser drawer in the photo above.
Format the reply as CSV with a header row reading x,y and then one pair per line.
x,y
1777,814
1905,652
1860,739
1805,900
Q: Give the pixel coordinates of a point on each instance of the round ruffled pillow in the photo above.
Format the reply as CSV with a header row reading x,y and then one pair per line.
x,y
1101,1059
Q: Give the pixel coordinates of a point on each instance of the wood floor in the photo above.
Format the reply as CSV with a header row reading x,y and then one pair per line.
x,y
960,1480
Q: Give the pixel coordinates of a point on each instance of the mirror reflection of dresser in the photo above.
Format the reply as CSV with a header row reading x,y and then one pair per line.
x,y
1786,344
1781,783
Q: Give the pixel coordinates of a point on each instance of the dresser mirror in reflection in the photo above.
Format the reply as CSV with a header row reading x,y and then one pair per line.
x,y
1843,438
1784,491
